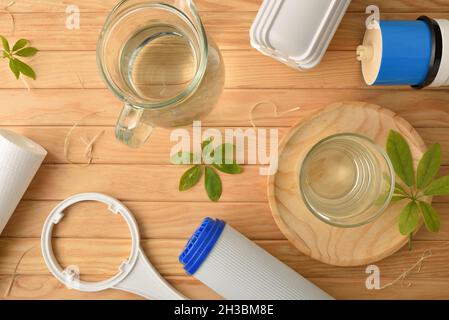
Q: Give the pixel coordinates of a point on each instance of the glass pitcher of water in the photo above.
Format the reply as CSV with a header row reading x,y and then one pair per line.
x,y
155,57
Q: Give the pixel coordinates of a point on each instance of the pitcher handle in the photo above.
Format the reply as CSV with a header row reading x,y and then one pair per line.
x,y
131,130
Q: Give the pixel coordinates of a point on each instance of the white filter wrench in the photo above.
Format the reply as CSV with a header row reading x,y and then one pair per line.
x,y
238,269
136,275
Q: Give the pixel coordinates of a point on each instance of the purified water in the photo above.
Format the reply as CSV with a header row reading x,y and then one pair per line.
x,y
156,57
159,62
346,178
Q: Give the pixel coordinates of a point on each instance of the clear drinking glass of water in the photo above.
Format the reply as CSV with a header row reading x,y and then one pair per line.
x,y
156,57
347,180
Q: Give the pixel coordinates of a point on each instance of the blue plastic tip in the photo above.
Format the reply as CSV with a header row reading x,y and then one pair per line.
x,y
200,244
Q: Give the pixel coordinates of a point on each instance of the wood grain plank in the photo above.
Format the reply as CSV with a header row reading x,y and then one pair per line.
x,y
89,256
402,5
43,22
354,289
47,107
45,287
228,5
245,69
74,70
107,5
230,30
47,31
58,107
136,183
108,150
157,220
164,220
157,151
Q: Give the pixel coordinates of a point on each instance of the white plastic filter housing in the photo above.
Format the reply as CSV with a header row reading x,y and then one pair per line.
x,y
442,78
406,52
136,274
297,32
20,159
238,269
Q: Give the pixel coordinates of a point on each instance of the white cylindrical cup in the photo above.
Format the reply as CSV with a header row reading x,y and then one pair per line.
x,y
238,269
20,158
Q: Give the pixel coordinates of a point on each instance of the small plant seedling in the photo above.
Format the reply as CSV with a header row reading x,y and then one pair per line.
x,y
416,187
21,49
218,162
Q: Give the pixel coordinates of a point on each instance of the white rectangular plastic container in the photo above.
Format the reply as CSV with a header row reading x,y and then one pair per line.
x,y
297,32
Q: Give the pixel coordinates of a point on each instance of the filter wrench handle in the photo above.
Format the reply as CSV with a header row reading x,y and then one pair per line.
x,y
144,280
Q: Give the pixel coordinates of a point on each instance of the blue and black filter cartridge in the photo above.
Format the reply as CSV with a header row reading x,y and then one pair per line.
x,y
396,52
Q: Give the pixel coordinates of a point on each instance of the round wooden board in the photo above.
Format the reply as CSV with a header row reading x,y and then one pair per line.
x,y
332,245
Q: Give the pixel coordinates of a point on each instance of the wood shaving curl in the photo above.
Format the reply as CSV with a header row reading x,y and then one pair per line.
x,y
88,151
5,9
80,80
14,274
277,114
418,265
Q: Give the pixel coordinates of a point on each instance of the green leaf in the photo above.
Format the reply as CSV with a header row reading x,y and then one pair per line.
x,y
5,44
429,166
229,168
398,189
184,158
439,187
15,70
207,148
206,143
397,198
25,69
190,178
401,157
26,52
213,184
20,44
225,154
409,219
431,217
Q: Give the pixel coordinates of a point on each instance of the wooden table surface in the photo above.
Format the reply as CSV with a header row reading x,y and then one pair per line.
x,y
69,87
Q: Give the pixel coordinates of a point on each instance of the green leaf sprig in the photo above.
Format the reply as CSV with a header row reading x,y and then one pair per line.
x,y
20,49
415,188
212,180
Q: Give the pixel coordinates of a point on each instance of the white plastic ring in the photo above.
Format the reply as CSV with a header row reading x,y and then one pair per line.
x,y
135,275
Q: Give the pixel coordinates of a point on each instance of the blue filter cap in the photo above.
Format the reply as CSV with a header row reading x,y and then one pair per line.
x,y
201,244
